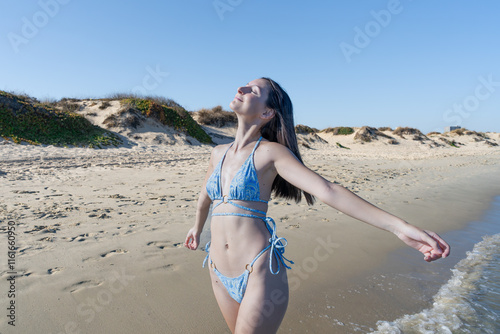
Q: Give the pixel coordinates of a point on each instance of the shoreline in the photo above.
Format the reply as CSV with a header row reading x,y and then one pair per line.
x,y
378,291
420,283
100,237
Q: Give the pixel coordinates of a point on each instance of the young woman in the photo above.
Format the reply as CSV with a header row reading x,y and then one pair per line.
x,y
246,257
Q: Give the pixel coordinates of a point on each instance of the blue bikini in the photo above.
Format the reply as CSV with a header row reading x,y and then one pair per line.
x,y
244,187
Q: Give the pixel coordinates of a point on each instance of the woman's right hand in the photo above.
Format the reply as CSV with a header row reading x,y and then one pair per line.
x,y
192,239
427,242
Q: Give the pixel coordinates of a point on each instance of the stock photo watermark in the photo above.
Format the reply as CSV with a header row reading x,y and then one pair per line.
x,y
299,273
151,81
325,248
88,309
31,26
462,110
10,230
363,36
223,6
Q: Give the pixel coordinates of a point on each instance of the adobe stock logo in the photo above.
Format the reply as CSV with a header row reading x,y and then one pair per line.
x,y
372,29
222,6
31,27
460,111
151,81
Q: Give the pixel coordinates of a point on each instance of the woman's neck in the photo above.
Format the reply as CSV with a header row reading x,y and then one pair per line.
x,y
245,135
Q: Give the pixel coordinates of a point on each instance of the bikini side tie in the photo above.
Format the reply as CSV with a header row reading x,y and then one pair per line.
x,y
277,247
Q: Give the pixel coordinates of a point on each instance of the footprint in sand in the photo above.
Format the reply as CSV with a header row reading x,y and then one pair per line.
x,y
167,267
50,239
19,273
82,285
106,254
44,229
24,250
114,251
53,270
164,244
292,226
284,219
24,192
83,237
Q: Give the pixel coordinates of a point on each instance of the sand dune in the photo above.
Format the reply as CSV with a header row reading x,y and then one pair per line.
x,y
134,127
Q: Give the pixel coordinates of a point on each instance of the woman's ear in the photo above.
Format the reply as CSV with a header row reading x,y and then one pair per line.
x,y
268,114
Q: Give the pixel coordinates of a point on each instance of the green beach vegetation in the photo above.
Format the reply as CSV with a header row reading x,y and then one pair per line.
x,y
339,130
304,129
24,118
174,116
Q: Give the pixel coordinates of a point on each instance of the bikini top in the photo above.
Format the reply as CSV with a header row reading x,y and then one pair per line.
x,y
244,186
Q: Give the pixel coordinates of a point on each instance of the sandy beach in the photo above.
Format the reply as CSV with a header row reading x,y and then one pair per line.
x,y
99,233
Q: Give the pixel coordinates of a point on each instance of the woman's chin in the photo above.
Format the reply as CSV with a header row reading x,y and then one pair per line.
x,y
232,106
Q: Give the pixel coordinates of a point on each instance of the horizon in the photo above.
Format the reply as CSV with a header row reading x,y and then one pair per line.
x,y
346,64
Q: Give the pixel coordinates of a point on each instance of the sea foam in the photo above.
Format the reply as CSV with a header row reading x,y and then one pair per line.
x,y
468,303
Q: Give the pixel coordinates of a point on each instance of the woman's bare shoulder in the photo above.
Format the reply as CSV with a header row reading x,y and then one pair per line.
x,y
219,150
274,148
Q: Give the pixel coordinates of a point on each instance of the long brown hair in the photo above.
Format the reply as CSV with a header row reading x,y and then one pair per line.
x,y
281,129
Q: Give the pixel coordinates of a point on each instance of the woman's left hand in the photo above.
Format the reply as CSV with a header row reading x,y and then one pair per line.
x,y
426,242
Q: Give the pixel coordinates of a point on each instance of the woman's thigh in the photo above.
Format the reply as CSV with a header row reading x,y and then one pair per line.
x,y
228,306
264,303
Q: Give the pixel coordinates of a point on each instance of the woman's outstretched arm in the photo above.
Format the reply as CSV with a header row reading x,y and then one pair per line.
x,y
427,242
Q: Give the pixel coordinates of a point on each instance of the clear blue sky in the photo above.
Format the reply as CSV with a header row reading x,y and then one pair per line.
x,y
425,64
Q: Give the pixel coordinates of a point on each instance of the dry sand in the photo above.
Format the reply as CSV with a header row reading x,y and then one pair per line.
x,y
100,233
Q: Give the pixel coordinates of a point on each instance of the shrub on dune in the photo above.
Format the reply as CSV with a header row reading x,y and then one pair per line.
x,y
367,134
23,118
433,133
417,134
304,129
339,130
176,117
400,131
216,117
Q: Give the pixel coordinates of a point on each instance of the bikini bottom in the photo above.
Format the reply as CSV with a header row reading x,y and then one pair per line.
x,y
235,286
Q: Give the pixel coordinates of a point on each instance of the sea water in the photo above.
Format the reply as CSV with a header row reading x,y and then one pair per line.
x,y
469,302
